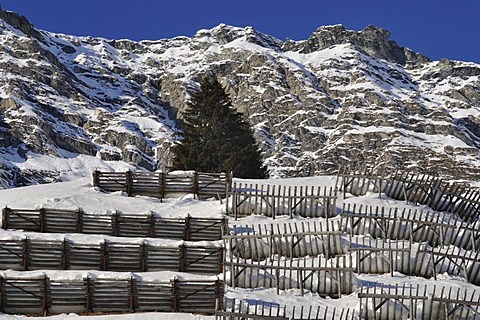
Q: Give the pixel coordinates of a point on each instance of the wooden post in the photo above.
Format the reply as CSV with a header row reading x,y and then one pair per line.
x,y
195,185
151,225
221,267
224,226
2,298
174,294
129,183
65,254
131,294
300,280
5,217
143,258
25,253
96,178
116,224
104,260
163,185
44,296
42,220
80,215
186,235
218,290
182,252
88,296
273,202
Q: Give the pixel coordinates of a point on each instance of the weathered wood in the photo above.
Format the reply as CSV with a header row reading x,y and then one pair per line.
x,y
160,184
271,200
116,224
316,275
31,254
257,242
419,189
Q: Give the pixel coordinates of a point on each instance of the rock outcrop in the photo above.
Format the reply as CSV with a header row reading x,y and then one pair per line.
x,y
339,97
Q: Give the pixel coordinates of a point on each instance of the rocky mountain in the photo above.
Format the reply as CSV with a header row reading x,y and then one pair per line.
x,y
340,97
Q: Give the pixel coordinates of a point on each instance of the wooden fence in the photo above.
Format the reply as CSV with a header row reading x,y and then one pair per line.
x,y
270,200
234,309
415,302
42,295
417,189
379,256
29,254
419,226
375,302
115,224
327,277
289,240
161,184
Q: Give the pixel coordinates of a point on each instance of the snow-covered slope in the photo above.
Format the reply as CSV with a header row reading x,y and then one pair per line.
x,y
80,193
339,97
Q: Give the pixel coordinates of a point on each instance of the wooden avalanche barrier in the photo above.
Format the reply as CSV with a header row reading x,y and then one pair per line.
x,y
417,189
40,295
162,185
240,309
28,254
272,201
114,224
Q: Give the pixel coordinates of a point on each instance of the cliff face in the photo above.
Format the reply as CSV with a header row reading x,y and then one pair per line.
x,y
339,97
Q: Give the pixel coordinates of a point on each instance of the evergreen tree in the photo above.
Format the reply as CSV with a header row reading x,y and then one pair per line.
x,y
215,137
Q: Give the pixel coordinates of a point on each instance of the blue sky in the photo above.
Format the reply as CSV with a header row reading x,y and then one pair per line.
x,y
436,28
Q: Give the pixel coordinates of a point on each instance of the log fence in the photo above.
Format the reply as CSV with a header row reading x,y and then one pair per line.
x,y
29,254
44,296
114,224
418,189
162,185
270,200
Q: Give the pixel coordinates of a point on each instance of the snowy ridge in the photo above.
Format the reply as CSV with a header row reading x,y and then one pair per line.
x,y
338,97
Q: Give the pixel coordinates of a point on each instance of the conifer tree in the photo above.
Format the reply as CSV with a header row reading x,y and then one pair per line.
x,y
215,137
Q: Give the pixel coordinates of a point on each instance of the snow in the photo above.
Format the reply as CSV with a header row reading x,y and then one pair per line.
x,y
80,193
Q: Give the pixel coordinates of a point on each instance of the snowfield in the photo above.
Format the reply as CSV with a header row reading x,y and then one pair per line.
x,y
79,193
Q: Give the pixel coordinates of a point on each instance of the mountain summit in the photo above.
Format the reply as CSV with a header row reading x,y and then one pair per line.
x,y
340,97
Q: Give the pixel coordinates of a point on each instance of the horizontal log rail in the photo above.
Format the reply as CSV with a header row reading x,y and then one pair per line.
x,y
162,185
31,254
114,224
43,296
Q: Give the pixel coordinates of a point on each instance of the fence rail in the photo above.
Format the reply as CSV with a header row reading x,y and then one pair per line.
x,y
162,185
114,224
42,295
28,254
270,200
418,189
